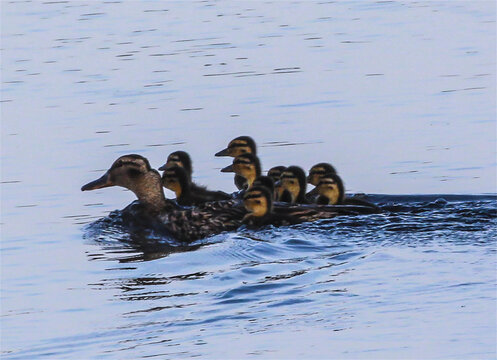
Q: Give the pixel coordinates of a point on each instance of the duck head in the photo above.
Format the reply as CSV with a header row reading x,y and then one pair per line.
x,y
275,172
258,202
331,190
181,159
238,146
134,173
292,185
176,179
245,165
318,171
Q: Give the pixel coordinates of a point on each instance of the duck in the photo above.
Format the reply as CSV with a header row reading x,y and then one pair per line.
x,y
315,173
199,192
292,186
175,178
152,209
262,211
265,181
239,146
331,191
275,172
246,166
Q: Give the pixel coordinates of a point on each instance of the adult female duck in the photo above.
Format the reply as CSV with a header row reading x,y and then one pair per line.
x,y
134,173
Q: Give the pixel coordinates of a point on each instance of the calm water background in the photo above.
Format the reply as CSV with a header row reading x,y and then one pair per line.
x,y
399,96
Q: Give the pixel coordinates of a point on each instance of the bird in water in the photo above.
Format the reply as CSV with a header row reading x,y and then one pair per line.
x,y
331,191
236,147
315,174
246,166
275,172
292,186
175,178
152,209
196,192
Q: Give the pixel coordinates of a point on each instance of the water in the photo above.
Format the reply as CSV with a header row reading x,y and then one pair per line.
x,y
400,97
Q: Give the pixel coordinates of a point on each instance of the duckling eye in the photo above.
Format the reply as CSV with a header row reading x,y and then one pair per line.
x,y
258,202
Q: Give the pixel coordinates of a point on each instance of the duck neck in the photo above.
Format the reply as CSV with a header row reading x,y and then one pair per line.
x,y
148,189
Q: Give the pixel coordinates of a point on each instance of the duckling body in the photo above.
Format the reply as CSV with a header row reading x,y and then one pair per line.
x,y
176,179
236,147
195,194
134,173
315,174
331,191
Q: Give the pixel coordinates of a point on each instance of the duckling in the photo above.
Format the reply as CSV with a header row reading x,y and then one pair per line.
x,y
175,178
182,159
265,181
315,174
292,186
262,211
134,173
247,166
275,173
258,201
238,146
331,191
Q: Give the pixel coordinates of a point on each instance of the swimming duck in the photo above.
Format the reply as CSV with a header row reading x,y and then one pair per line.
x,y
315,174
246,166
331,191
182,159
275,173
238,146
262,211
175,178
133,172
292,185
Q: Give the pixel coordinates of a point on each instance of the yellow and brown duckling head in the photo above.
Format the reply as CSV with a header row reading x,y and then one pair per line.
x,y
134,173
176,179
258,202
179,158
246,165
292,185
275,173
238,146
318,171
265,181
330,190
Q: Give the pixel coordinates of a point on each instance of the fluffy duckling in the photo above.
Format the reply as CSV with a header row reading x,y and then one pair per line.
x,y
275,173
182,159
292,185
315,174
246,166
134,173
179,158
331,191
258,202
265,181
175,178
236,147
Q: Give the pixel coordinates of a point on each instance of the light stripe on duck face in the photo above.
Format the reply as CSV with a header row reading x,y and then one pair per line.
x,y
292,186
247,166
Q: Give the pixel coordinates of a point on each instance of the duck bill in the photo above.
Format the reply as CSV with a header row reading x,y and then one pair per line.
x,y
228,168
163,167
223,152
103,182
308,179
